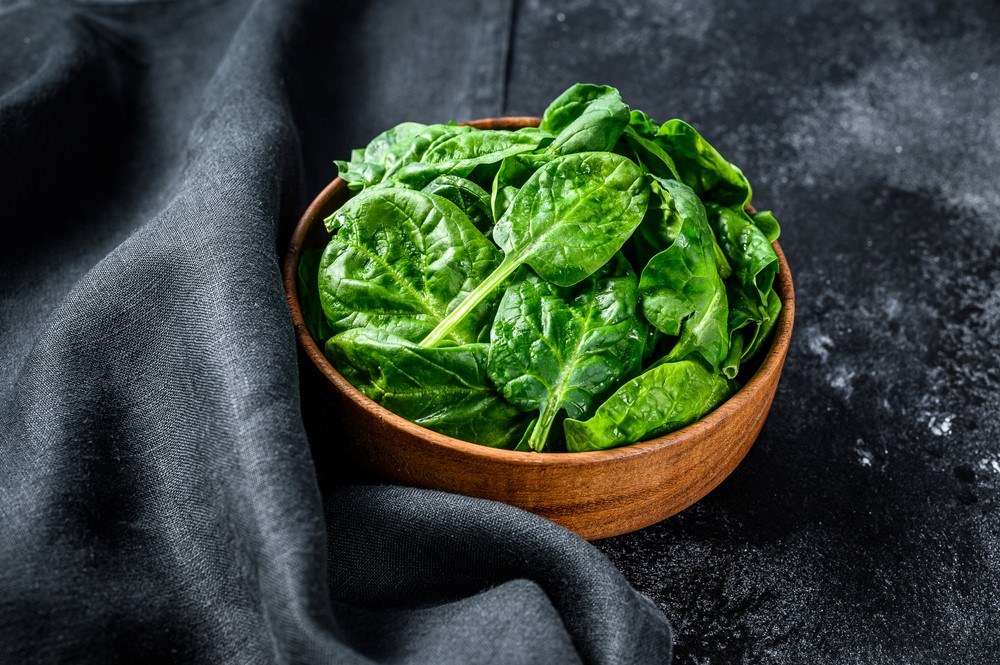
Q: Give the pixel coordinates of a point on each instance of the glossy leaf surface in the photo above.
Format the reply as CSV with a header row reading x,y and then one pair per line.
x,y
400,260
444,389
555,348
660,400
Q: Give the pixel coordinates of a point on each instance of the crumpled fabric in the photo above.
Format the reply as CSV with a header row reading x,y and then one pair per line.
x,y
159,499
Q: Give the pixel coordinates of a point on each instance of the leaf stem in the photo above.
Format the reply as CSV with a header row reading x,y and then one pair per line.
x,y
540,432
476,296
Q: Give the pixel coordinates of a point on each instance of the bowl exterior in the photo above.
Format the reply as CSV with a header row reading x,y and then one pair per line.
x,y
595,494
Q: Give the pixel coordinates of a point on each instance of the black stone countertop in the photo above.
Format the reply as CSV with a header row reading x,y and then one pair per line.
x,y
863,526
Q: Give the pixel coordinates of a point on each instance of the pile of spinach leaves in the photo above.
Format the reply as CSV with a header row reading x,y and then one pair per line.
x,y
585,284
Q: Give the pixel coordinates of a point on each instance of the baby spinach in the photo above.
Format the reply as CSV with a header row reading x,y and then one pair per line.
x,y
461,153
444,389
701,167
585,118
636,281
772,309
661,399
555,348
467,195
768,225
748,335
682,291
402,144
514,171
400,260
753,259
640,136
570,217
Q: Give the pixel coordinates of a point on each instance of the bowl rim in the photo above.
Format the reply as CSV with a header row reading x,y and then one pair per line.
x,y
700,429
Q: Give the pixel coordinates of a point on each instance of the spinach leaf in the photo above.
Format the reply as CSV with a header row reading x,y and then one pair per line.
x,y
570,217
766,222
682,291
642,124
359,175
467,195
312,311
386,148
368,166
400,260
640,136
753,305
555,348
514,171
772,310
660,400
462,153
701,167
753,259
661,224
586,117
749,331
444,389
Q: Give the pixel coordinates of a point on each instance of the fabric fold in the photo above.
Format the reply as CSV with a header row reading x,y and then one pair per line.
x,y
159,499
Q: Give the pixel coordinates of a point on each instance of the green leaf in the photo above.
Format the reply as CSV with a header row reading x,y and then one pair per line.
x,y
312,311
467,195
386,148
359,175
514,171
682,291
701,167
444,389
568,220
660,400
753,259
462,153
401,260
555,348
749,331
642,124
766,222
764,329
585,117
409,147
368,166
640,135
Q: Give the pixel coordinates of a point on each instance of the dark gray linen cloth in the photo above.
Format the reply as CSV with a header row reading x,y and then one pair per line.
x,y
158,498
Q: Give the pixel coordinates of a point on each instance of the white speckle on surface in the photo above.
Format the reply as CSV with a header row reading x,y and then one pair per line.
x,y
865,457
899,149
560,17
940,425
893,307
841,379
820,345
989,464
974,75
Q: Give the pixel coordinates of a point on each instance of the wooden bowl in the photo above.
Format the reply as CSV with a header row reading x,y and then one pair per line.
x,y
596,494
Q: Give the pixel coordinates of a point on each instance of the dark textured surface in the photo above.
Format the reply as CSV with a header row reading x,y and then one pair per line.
x,y
156,493
863,527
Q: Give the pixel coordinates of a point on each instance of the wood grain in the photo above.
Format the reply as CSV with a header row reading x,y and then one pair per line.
x,y
596,494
